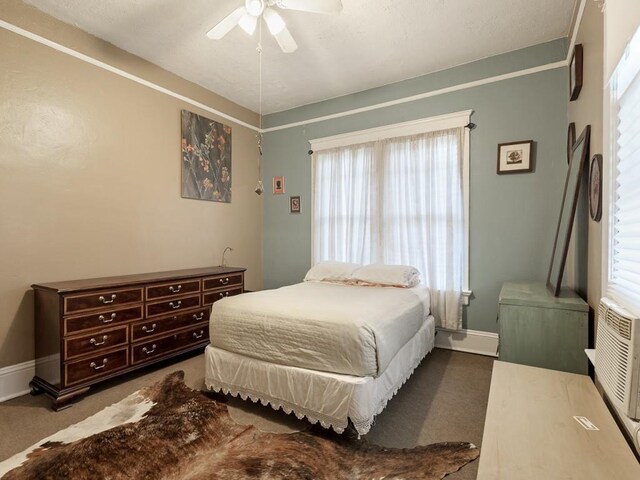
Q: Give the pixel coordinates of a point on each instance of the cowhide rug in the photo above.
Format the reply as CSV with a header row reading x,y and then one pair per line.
x,y
168,431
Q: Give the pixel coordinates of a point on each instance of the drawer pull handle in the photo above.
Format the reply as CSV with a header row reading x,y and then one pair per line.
x,y
175,305
197,318
96,343
95,366
225,294
224,281
146,330
196,336
104,319
149,352
175,289
105,301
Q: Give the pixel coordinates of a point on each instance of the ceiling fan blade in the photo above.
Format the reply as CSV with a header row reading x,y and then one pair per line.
x,y
227,23
286,41
274,21
314,6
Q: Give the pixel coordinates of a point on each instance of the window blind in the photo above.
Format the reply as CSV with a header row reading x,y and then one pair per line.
x,y
624,274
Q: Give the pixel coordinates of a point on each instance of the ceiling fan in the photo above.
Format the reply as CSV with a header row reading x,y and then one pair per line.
x,y
248,15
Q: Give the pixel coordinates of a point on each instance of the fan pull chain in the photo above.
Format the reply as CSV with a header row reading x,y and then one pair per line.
x,y
260,187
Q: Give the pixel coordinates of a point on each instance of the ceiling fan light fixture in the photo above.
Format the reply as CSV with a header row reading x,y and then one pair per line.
x,y
274,21
248,15
248,23
255,7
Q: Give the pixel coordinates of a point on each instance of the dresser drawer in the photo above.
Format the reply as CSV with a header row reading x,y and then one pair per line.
x,y
212,297
96,366
172,306
160,325
102,299
95,342
222,281
153,292
109,318
171,343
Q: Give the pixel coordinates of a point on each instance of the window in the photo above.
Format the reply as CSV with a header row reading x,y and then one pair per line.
x,y
624,213
398,195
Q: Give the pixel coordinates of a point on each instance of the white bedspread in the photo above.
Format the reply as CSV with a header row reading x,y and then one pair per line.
x,y
338,328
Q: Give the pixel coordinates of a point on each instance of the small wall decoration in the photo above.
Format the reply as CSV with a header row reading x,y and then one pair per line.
x,y
294,204
571,139
575,73
515,157
206,159
595,188
278,185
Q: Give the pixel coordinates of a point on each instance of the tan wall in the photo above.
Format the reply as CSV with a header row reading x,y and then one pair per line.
x,y
622,19
90,174
587,110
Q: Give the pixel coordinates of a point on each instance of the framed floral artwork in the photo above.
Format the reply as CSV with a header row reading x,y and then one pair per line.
x,y
206,158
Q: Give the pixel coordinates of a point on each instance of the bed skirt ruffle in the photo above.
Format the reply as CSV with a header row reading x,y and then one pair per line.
x,y
321,397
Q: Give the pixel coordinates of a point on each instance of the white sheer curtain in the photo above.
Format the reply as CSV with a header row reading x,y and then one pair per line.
x,y
397,201
423,212
344,204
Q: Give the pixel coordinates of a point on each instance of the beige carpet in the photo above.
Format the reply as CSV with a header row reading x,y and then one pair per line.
x,y
445,400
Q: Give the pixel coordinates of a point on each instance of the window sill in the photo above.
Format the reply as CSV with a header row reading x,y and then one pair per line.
x,y
466,295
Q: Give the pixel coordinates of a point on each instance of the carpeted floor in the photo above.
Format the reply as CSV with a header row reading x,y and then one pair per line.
x,y
444,400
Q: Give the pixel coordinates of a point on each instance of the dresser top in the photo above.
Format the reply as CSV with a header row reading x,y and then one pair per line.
x,y
536,294
125,280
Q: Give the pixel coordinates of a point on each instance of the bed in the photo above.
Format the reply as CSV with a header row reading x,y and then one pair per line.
x,y
328,351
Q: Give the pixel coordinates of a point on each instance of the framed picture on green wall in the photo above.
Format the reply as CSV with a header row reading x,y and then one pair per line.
x,y
515,157
278,185
294,204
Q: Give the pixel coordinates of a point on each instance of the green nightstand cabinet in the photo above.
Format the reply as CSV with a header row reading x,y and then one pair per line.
x,y
541,330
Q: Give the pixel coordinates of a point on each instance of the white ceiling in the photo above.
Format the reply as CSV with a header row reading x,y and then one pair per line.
x,y
371,43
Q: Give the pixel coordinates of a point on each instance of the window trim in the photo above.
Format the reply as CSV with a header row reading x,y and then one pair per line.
x,y
414,127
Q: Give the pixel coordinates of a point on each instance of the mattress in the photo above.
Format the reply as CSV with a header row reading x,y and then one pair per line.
x,y
353,330
329,398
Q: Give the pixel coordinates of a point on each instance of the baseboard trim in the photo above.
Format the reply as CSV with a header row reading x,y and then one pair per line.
x,y
469,341
14,379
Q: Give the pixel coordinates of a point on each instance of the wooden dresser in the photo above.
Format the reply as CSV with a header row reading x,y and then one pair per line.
x,y
91,330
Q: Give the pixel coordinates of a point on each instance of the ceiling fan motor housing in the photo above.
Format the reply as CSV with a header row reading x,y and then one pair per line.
x,y
255,7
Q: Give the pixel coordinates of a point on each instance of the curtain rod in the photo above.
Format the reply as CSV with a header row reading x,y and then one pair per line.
x,y
470,126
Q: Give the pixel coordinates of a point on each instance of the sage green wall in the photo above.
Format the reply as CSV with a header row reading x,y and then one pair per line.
x,y
512,217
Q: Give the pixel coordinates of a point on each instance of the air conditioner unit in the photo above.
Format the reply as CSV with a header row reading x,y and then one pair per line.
x,y
618,356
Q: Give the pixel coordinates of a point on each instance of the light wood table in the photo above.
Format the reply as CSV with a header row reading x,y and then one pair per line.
x,y
530,431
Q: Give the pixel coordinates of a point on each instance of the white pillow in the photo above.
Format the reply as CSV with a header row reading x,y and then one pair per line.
x,y
387,275
331,272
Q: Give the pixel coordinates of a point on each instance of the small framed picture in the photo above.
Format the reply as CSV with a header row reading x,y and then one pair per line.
x,y
515,157
575,73
571,140
294,204
278,185
595,188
